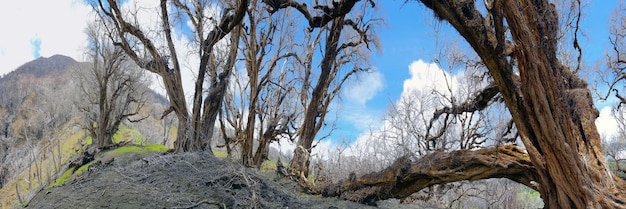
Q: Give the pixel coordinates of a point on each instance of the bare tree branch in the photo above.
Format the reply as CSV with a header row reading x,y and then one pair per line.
x,y
338,9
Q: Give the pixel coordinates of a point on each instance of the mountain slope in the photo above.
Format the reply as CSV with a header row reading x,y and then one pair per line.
x,y
42,66
38,125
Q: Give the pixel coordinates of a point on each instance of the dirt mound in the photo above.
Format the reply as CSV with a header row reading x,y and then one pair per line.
x,y
190,180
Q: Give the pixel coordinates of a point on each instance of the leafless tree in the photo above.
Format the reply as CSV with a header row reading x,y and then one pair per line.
x,y
347,39
615,72
612,79
111,89
268,83
615,146
160,55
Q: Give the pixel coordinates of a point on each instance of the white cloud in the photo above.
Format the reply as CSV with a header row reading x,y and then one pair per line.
x,y
320,151
59,25
427,76
417,92
365,87
606,124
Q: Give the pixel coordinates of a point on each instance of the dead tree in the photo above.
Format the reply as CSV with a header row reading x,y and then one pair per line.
x,y
111,89
268,42
316,98
159,55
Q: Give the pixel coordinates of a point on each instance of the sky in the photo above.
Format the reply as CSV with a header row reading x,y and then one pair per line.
x,y
36,28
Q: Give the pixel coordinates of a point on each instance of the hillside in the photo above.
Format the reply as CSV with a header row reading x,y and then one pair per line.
x,y
34,102
42,66
39,128
190,180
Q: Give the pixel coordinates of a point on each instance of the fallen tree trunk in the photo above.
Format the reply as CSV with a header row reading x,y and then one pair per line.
x,y
405,176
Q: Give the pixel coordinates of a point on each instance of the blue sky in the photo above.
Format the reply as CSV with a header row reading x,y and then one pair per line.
x,y
44,28
410,36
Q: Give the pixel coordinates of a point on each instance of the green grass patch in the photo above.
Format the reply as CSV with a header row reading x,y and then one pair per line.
x,y
220,154
83,168
128,134
123,134
141,149
268,166
88,140
61,180
122,150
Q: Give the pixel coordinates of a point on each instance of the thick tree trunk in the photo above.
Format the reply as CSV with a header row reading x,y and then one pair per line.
x,y
262,151
559,125
248,140
213,102
405,177
552,108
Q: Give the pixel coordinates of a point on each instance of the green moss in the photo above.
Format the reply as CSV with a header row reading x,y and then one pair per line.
x,y
23,204
156,148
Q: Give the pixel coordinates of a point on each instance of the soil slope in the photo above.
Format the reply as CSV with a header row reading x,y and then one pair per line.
x,y
190,180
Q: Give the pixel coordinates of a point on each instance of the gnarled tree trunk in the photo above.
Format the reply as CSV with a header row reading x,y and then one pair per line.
x,y
551,107
404,177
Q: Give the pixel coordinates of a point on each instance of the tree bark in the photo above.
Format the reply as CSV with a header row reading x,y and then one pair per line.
x,y
213,102
552,109
314,110
559,127
405,176
191,134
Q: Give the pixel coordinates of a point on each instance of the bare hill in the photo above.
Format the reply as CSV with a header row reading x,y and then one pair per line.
x,y
189,180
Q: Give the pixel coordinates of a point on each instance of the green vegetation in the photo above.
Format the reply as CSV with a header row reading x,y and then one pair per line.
x,y
123,134
122,150
220,154
269,166
141,149
83,168
23,204
128,134
613,167
61,180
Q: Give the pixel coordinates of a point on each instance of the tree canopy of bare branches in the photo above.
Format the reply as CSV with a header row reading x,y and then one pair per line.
x,y
160,55
111,89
